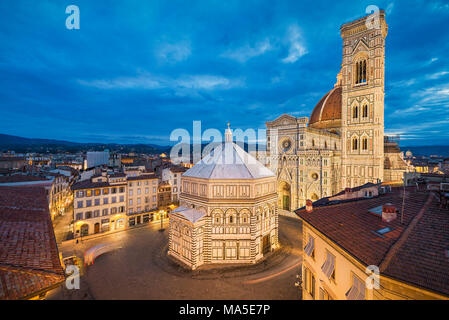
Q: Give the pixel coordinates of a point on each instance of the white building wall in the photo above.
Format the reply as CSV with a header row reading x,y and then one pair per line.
x,y
97,158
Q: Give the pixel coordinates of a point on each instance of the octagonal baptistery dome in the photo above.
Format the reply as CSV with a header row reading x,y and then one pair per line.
x,y
228,210
327,112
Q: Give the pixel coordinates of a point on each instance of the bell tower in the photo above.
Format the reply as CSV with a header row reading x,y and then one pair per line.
x,y
363,82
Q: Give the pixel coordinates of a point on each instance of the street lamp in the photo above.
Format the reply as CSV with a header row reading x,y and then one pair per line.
x,y
161,212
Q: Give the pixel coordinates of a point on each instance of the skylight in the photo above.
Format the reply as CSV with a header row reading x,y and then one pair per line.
x,y
384,230
376,210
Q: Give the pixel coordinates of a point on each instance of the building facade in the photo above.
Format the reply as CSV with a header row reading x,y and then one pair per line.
x,y
114,201
96,158
228,210
172,175
99,204
142,193
164,197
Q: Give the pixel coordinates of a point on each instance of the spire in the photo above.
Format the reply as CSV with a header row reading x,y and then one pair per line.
x,y
228,134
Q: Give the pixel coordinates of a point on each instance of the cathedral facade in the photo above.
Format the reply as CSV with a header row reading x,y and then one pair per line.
x,y
342,144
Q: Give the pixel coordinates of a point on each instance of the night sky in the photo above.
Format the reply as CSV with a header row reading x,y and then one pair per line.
x,y
136,70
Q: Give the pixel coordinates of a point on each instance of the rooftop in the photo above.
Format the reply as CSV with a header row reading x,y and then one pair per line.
x,y
178,169
12,158
29,257
20,178
190,214
418,256
142,177
88,184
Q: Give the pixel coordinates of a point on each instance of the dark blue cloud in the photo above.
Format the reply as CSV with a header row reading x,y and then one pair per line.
x,y
137,70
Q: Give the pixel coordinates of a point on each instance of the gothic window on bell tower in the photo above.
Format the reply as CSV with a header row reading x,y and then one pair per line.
x,y
365,111
355,143
365,144
355,112
360,72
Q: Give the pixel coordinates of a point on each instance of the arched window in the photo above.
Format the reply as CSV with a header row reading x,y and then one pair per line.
x,y
313,142
360,72
365,144
355,112
355,144
365,111
230,219
325,144
217,218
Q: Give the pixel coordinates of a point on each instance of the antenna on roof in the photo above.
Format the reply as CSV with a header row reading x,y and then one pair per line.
x,y
403,201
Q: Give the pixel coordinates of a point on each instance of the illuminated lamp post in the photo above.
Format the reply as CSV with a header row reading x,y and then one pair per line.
x,y
161,212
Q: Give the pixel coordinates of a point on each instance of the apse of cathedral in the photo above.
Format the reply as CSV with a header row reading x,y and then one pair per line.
x,y
342,144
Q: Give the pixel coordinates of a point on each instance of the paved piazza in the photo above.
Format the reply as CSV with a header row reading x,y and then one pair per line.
x,y
140,269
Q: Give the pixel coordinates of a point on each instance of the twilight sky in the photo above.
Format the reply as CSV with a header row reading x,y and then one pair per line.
x,y
136,70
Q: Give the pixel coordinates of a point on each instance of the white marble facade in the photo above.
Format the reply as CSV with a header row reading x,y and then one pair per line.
x,y
228,210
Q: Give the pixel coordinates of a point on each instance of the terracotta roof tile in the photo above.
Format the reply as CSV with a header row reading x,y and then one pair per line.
x,y
143,177
88,184
29,257
21,178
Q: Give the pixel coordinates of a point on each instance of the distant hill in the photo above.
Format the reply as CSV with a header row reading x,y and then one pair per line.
x,y
7,140
23,145
428,150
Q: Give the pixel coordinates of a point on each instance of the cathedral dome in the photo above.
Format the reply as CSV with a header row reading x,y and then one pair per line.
x,y
327,113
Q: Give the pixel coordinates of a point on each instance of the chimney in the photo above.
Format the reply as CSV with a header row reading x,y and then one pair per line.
x,y
388,212
309,205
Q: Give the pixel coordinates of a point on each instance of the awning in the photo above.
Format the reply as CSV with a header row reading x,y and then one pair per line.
x,y
329,265
308,249
357,291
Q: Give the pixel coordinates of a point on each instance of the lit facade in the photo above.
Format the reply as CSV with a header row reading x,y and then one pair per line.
x,y
228,210
99,204
142,193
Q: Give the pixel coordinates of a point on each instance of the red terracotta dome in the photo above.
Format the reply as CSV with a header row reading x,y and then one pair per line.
x,y
327,113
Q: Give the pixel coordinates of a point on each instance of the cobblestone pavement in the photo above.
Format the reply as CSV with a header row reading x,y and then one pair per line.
x,y
140,269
